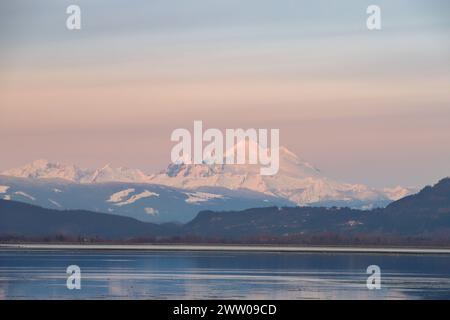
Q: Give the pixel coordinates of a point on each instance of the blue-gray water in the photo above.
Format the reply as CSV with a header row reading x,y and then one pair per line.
x,y
220,275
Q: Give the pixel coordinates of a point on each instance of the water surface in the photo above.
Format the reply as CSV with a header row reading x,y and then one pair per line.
x,y
118,274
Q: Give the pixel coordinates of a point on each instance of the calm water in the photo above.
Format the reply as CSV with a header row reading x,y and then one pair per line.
x,y
216,275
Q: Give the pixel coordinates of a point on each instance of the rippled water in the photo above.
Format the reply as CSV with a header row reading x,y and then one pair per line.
x,y
220,275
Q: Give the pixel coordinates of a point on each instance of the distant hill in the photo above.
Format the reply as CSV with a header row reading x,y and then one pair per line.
x,y
432,200
19,219
425,215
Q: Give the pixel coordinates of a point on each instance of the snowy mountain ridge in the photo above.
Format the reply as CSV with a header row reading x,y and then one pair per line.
x,y
297,180
43,169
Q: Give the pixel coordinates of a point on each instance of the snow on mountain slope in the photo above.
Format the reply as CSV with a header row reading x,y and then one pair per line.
x,y
146,202
194,197
108,174
43,169
134,198
398,192
24,194
297,180
55,203
119,196
151,211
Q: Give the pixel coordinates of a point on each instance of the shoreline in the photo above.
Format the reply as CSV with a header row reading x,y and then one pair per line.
x,y
225,248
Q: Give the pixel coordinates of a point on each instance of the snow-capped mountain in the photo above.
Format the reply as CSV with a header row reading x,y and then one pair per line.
x,y
296,180
398,192
182,190
120,174
43,169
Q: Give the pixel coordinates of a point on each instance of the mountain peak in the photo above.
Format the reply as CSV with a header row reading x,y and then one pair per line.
x,y
43,169
40,163
296,180
120,174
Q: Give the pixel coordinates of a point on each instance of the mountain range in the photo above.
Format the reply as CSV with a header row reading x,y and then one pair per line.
x,y
181,190
423,218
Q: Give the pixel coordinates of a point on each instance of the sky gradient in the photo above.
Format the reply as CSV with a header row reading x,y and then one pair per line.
x,y
364,106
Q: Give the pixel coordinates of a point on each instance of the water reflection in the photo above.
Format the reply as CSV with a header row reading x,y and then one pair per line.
x,y
221,275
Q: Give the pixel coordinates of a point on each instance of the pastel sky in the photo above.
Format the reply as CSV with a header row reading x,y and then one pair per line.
x,y
364,106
